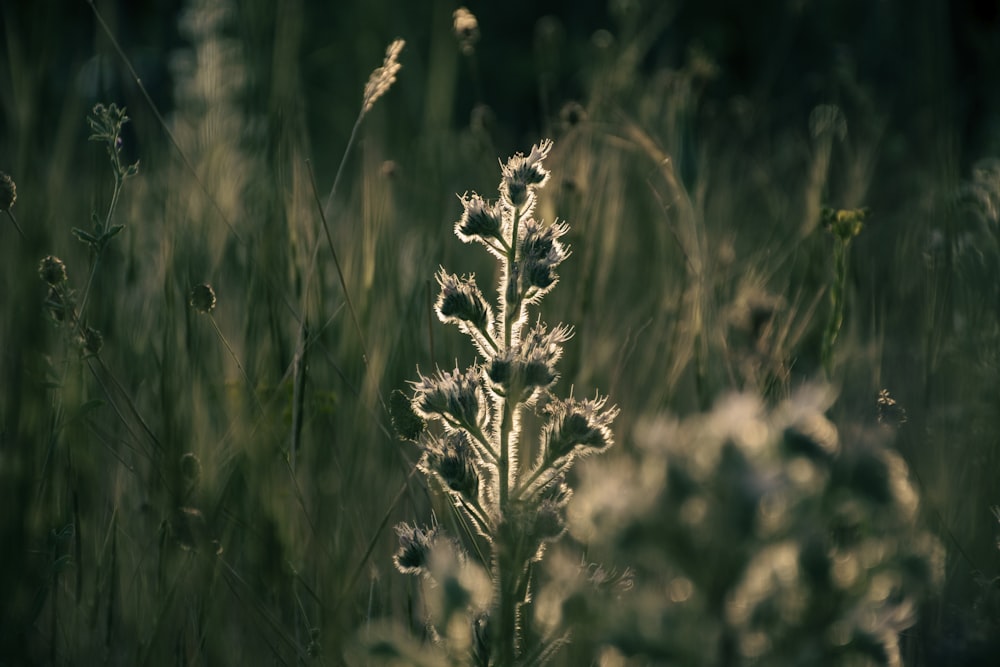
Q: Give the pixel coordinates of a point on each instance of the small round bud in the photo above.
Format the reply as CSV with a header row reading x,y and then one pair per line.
x,y
8,192
572,114
52,270
190,466
202,298
92,341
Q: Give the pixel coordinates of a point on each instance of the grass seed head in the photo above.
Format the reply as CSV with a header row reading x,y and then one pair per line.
x,y
382,78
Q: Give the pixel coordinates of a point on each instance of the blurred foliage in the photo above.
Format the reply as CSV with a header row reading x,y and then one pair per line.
x,y
694,183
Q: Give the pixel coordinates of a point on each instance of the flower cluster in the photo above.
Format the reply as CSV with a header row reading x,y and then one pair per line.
x,y
512,492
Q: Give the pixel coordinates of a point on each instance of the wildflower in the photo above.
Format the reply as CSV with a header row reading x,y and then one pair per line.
x,y
480,221
542,252
577,427
202,298
415,546
461,301
522,175
452,459
382,78
456,398
466,29
531,364
8,192
845,224
52,270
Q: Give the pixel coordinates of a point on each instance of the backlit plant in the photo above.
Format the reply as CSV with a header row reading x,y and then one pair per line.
x,y
511,490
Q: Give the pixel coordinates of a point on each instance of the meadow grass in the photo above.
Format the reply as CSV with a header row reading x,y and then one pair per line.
x,y
220,487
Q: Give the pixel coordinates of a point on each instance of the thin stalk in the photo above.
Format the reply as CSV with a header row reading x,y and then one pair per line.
x,y
343,161
343,282
232,353
115,196
837,292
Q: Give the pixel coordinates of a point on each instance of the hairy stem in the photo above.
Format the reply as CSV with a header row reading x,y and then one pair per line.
x,y
836,320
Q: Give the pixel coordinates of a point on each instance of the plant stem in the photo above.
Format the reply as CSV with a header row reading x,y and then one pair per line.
x,y
99,250
232,353
505,559
10,215
836,305
511,309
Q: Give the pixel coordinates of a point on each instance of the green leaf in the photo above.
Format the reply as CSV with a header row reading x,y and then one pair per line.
x,y
112,232
84,237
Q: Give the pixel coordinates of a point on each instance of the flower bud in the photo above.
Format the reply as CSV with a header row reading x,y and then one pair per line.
x,y
480,220
52,270
92,341
453,459
202,298
456,398
522,175
461,301
578,427
415,546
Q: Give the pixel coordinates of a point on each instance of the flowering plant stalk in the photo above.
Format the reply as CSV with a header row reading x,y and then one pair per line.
x,y
512,494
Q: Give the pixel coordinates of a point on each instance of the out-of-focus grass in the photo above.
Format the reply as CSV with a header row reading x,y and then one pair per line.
x,y
690,216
